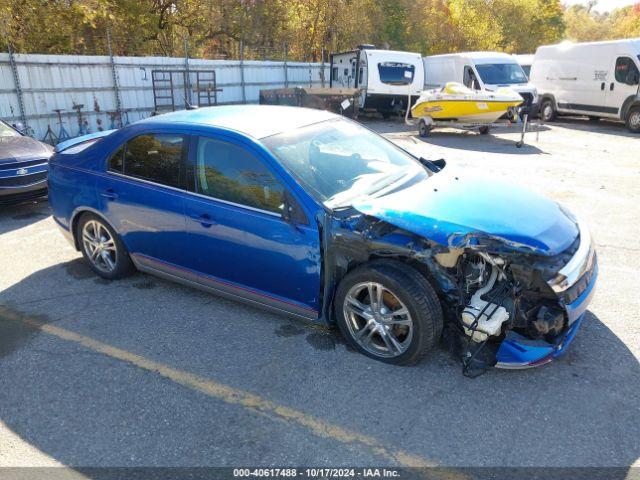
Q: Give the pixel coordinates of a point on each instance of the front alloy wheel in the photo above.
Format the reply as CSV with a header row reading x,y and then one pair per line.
x,y
388,311
378,320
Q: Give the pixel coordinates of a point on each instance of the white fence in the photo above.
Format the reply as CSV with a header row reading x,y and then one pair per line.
x,y
49,82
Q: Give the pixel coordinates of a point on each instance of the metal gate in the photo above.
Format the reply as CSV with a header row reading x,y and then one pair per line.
x,y
179,89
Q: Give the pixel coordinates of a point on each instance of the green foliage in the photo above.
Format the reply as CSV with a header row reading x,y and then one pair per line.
x,y
303,28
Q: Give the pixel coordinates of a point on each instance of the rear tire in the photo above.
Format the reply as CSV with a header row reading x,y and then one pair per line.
x,y
484,130
594,119
102,248
547,111
633,119
405,309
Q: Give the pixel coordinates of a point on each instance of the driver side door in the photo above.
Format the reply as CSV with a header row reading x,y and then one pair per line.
x,y
239,241
625,71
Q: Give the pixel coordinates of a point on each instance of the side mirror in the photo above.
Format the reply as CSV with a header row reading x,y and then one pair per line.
x,y
292,212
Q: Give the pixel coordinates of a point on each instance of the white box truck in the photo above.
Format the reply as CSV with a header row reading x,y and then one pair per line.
x,y
480,71
596,79
386,77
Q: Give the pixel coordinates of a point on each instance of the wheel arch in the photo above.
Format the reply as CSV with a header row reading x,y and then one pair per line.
x,y
403,260
75,218
548,96
631,101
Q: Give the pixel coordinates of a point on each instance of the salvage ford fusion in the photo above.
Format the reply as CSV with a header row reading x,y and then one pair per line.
x,y
307,213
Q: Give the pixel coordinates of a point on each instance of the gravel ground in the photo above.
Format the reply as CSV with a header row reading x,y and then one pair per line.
x,y
142,372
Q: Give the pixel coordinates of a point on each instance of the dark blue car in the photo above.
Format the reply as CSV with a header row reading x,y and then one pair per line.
x,y
23,166
313,215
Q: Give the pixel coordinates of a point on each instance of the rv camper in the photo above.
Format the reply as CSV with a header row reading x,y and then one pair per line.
x,y
386,78
596,79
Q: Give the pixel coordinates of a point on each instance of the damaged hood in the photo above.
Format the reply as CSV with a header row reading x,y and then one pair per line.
x,y
466,211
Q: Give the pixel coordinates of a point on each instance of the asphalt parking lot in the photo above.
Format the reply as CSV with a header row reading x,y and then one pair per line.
x,y
143,372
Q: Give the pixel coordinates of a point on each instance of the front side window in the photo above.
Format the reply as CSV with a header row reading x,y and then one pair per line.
x,y
229,172
394,73
501,73
153,157
338,161
626,71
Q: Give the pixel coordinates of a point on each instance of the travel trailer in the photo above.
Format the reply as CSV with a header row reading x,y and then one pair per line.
x,y
479,71
525,61
596,79
386,77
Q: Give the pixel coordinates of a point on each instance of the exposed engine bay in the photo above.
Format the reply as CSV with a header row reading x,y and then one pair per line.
x,y
487,289
495,295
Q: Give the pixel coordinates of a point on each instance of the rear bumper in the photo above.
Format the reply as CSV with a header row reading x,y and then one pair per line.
x,y
517,351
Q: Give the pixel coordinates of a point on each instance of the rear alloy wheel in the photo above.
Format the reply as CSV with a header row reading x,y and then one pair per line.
x,y
389,312
547,111
102,248
633,119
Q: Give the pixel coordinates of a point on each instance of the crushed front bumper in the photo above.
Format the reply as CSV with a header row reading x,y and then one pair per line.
x,y
517,351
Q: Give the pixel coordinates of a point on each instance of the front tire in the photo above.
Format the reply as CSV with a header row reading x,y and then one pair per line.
x,y
547,111
633,119
102,248
389,312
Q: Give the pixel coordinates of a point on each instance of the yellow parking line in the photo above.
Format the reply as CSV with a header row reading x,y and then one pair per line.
x,y
232,395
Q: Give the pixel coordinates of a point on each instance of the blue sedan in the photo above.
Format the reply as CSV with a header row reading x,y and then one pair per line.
x,y
312,215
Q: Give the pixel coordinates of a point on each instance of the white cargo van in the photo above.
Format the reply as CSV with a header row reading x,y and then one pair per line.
x,y
386,77
479,71
597,79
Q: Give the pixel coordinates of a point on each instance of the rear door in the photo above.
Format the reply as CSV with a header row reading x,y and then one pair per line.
x,y
142,195
238,239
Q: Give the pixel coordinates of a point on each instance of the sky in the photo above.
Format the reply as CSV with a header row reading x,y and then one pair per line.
x,y
603,5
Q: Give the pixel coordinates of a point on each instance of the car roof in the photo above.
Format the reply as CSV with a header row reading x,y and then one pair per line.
x,y
256,121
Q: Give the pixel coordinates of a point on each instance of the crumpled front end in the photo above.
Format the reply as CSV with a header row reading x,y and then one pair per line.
x,y
516,310
574,286
505,306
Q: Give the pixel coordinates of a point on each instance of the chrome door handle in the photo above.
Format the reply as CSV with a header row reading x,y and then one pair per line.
x,y
109,194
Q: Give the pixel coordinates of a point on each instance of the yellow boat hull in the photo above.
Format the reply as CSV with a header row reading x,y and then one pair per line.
x,y
463,110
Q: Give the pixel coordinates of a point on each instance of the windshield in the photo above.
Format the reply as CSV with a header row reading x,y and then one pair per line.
x,y
501,73
7,131
338,161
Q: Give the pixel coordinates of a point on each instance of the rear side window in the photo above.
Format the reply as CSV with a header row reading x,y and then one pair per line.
x,y
153,157
626,71
228,172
